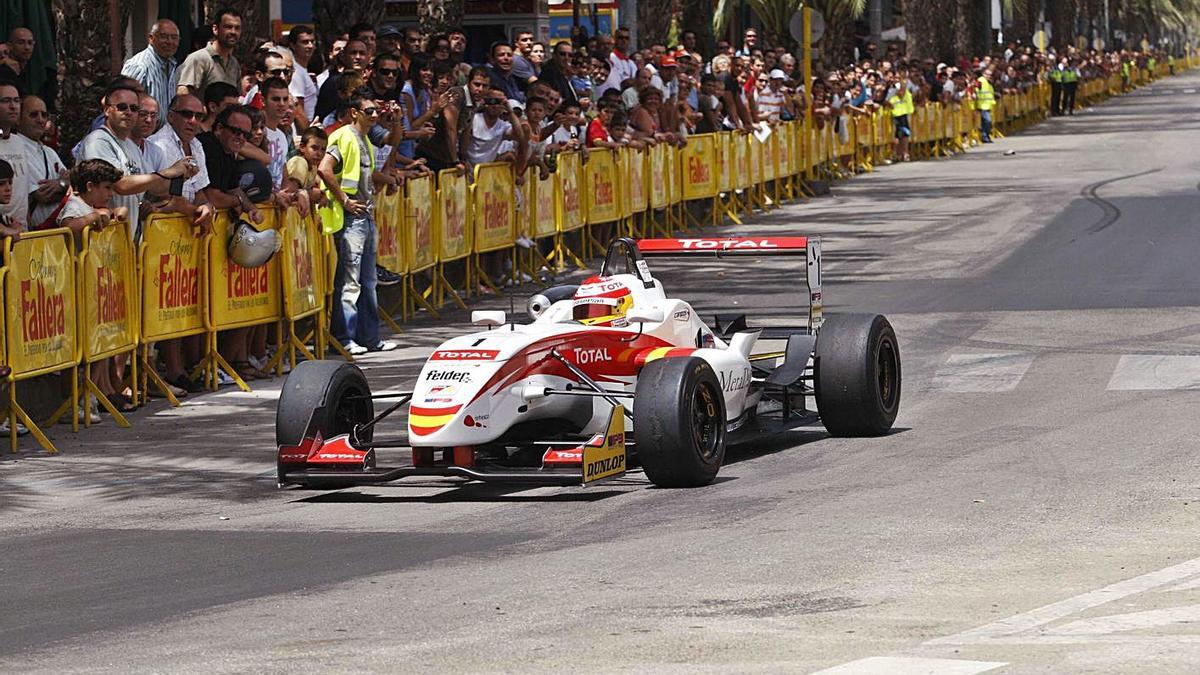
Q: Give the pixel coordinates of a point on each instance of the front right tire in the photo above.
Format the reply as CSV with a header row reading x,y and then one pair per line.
x,y
679,422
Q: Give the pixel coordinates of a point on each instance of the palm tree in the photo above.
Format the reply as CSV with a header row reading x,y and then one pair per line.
x,y
776,17
86,59
439,16
333,17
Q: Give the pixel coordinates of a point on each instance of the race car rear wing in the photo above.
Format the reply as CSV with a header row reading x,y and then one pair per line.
x,y
808,247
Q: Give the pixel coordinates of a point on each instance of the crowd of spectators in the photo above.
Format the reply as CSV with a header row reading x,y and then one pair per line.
x,y
328,128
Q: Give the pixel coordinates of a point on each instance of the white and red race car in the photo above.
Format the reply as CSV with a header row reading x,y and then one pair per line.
x,y
609,375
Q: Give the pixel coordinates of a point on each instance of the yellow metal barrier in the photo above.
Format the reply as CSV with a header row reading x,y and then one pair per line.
x,y
40,316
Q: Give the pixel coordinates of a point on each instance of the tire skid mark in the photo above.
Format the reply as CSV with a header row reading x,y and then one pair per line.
x,y
1111,213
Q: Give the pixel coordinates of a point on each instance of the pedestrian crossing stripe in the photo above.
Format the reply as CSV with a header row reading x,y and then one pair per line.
x,y
1149,372
979,373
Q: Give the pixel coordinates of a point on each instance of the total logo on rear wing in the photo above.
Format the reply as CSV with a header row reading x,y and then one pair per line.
x,y
809,247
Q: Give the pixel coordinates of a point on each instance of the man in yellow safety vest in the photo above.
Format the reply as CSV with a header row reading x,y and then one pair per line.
x,y
1070,84
1055,77
900,100
985,100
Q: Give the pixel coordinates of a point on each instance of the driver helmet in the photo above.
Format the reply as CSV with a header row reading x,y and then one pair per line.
x,y
602,302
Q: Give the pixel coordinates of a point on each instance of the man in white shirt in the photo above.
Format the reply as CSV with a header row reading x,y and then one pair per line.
x,y
45,171
493,124
303,43
14,149
177,140
276,102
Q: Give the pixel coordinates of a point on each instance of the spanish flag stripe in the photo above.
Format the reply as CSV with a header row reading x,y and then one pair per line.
x,y
429,420
419,410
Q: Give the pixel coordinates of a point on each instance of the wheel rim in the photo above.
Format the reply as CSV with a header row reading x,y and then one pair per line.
x,y
349,411
887,367
707,426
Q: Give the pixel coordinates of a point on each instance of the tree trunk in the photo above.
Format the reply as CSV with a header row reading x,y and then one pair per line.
x,y
653,23
697,15
837,45
926,26
334,17
85,62
439,16
1062,14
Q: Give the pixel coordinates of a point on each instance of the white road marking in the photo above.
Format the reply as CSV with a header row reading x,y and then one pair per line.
x,y
1118,623
542,491
905,665
1022,628
1189,91
1189,585
969,373
1142,372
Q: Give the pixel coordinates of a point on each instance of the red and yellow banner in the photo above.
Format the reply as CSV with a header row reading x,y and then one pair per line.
x,y
636,196
495,217
545,200
172,279
725,160
699,159
603,198
659,194
454,240
302,265
107,292
389,254
570,201
420,250
240,296
39,299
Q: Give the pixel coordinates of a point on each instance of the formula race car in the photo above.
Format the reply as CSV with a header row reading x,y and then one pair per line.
x,y
610,374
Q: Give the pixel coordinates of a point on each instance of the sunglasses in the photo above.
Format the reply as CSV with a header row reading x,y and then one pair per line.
x,y
189,114
369,112
493,101
387,72
280,71
246,135
127,107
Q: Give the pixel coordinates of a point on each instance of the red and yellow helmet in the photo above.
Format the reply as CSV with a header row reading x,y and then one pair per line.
x,y
602,302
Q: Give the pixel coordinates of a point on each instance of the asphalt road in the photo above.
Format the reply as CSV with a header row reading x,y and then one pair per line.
x,y
1035,510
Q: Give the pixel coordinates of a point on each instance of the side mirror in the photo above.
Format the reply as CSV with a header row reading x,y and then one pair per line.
x,y
646,315
538,304
487,317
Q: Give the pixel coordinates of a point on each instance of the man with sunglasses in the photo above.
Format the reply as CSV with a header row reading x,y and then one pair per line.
x,y
349,173
221,148
155,66
557,73
177,141
266,65
112,143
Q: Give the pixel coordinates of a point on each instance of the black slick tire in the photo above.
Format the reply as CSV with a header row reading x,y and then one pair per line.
x,y
857,375
679,422
338,388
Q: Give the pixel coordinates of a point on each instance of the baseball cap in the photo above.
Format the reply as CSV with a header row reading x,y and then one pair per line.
x,y
389,31
778,74
667,61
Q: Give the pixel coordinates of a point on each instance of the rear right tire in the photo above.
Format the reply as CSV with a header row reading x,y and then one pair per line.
x,y
857,375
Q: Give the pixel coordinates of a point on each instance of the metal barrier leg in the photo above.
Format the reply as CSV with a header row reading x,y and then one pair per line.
x,y
18,414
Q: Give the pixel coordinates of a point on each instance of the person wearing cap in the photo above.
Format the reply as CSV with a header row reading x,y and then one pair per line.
x,y
667,80
773,101
391,40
